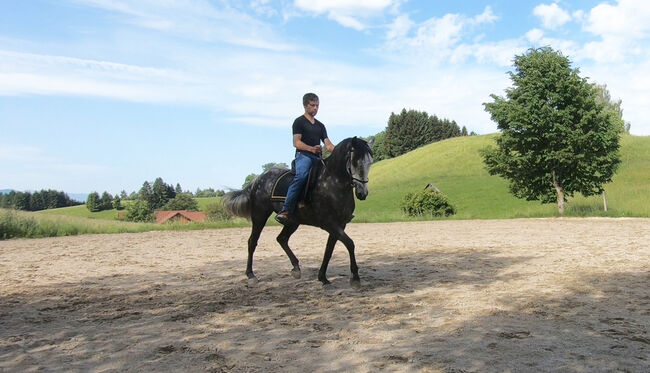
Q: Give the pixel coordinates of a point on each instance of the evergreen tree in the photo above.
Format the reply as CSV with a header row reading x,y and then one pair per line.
x,y
106,201
146,193
412,129
93,202
161,193
117,203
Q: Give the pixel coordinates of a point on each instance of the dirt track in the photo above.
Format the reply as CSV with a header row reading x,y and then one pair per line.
x,y
567,295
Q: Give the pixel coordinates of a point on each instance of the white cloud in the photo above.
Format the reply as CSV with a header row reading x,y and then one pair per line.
x,y
623,30
348,13
629,19
400,28
486,17
262,7
437,40
351,6
198,20
535,35
552,16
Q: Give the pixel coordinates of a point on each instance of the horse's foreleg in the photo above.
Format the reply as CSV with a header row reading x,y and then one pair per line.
x,y
283,240
349,244
329,249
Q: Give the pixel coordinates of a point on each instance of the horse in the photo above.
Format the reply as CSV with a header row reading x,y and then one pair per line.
x,y
330,207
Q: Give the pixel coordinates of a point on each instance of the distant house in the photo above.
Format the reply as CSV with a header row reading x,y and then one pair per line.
x,y
179,216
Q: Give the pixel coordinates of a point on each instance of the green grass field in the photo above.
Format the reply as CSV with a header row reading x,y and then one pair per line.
x,y
453,165
457,169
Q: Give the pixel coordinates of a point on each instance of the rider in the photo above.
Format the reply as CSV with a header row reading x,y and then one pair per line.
x,y
307,135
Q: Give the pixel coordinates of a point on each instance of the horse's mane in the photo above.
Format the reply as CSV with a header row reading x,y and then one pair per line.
x,y
336,162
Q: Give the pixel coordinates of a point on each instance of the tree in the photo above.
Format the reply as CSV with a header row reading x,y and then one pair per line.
x,y
249,179
265,167
93,202
106,202
161,193
412,129
117,203
603,96
378,148
183,201
556,138
268,166
140,211
146,193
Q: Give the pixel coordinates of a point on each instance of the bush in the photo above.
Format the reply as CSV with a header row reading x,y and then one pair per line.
x,y
216,212
182,201
427,202
139,211
14,225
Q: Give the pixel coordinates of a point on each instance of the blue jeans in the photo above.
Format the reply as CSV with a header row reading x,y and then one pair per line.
x,y
303,165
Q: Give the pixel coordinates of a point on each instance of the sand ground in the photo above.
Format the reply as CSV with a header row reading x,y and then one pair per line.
x,y
533,295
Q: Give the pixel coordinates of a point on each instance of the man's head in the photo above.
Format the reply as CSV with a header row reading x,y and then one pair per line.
x,y
308,97
310,102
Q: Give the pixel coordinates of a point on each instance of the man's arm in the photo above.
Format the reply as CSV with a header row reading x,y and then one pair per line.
x,y
328,144
297,142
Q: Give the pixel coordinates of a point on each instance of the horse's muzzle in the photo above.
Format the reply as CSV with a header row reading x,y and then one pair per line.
x,y
361,192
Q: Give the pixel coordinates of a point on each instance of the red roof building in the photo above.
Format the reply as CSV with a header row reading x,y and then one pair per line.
x,y
179,216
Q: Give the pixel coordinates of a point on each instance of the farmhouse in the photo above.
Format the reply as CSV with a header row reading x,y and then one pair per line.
x,y
179,216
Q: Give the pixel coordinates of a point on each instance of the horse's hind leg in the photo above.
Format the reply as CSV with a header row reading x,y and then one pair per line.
x,y
283,240
329,249
258,225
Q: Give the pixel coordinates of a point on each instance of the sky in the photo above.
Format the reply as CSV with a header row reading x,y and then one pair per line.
x,y
103,95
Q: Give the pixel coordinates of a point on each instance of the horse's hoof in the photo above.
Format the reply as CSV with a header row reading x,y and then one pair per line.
x,y
324,281
295,273
252,281
355,283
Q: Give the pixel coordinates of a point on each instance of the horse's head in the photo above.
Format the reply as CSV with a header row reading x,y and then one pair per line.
x,y
351,159
358,166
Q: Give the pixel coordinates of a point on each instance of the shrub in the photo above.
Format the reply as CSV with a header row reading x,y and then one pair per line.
x,y
427,202
216,212
139,211
182,201
14,225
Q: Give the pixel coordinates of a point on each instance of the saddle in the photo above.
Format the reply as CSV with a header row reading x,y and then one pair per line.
x,y
281,186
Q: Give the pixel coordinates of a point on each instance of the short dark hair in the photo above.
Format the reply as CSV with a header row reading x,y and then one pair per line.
x,y
309,97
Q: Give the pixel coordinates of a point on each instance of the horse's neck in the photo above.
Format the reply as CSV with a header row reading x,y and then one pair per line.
x,y
333,171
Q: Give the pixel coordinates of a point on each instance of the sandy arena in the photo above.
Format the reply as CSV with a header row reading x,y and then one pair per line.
x,y
533,295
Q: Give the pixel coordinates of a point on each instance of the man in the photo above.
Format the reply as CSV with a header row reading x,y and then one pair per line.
x,y
307,135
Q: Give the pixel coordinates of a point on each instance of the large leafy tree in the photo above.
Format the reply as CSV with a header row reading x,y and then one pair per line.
x,y
556,137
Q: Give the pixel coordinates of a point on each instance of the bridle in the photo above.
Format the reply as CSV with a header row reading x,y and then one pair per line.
x,y
349,170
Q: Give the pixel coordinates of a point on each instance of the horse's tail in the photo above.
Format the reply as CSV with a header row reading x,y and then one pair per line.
x,y
238,202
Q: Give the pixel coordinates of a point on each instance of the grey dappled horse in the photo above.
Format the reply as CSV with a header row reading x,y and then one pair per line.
x,y
330,206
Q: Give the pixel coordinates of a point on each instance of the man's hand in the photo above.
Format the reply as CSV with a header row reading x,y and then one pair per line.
x,y
316,149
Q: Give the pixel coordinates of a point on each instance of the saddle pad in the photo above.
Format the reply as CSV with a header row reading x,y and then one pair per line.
x,y
281,186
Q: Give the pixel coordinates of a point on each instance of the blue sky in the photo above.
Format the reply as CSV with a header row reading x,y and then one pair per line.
x,y
102,95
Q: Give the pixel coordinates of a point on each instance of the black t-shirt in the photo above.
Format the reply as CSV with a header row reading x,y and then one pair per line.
x,y
312,134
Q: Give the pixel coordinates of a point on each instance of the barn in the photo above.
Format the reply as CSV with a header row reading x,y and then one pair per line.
x,y
179,216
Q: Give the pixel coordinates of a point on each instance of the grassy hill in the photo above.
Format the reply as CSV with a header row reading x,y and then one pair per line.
x,y
456,168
